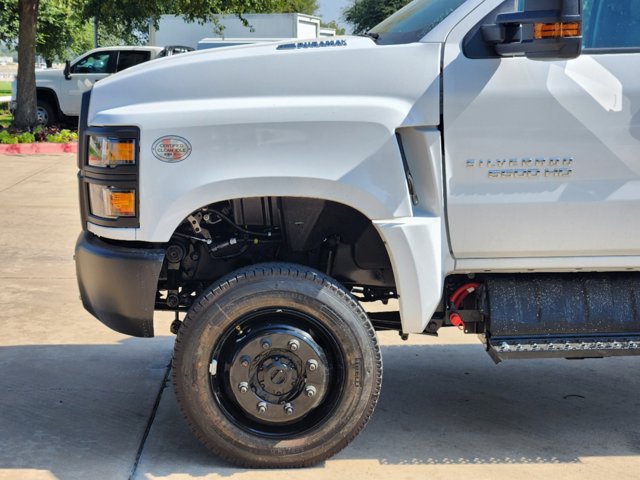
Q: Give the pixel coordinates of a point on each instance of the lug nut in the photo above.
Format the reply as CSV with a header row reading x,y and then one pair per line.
x,y
266,343
244,361
288,409
243,387
262,407
294,344
312,365
311,391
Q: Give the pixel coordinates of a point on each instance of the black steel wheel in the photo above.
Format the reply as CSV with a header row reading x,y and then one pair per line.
x,y
277,366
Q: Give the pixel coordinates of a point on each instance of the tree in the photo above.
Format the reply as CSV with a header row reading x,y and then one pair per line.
x,y
62,32
25,116
366,14
47,27
308,7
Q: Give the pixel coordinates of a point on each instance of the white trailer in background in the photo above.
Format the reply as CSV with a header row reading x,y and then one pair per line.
x,y
175,30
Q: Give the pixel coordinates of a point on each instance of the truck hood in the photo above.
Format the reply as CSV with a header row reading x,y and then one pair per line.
x,y
403,77
49,74
44,77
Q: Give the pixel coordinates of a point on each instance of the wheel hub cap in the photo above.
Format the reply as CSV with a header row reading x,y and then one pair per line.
x,y
279,374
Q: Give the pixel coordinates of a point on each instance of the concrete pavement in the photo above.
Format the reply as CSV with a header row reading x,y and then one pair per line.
x,y
75,398
78,401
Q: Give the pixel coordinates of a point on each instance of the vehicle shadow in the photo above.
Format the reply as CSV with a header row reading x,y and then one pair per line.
x,y
443,405
80,411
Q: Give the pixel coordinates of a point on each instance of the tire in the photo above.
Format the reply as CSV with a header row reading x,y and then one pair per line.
x,y
47,115
260,331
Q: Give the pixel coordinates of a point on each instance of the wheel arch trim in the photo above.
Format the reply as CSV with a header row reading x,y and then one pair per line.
x,y
50,94
415,247
359,199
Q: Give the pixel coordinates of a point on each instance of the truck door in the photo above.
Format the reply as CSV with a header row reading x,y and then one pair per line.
x,y
131,58
84,73
543,156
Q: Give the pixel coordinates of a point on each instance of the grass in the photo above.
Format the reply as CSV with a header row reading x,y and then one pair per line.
x,y
5,88
5,118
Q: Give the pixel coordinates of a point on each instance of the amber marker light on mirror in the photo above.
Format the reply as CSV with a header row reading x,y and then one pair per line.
x,y
111,152
556,30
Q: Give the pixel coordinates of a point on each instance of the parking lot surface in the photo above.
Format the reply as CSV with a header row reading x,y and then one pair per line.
x,y
78,401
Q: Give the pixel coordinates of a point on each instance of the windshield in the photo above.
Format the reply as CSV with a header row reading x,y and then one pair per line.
x,y
414,21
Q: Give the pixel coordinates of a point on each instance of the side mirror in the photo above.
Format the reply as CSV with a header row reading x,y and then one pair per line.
x,y
67,70
545,29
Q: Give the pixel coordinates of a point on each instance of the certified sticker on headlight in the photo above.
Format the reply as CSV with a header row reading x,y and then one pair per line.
x,y
171,149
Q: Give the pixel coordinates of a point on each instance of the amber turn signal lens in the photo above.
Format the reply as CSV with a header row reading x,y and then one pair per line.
x,y
123,204
111,202
556,30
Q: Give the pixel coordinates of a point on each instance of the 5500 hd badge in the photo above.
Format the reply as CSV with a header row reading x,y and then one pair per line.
x,y
524,167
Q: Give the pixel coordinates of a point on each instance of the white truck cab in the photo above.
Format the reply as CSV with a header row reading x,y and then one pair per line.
x,y
59,92
477,160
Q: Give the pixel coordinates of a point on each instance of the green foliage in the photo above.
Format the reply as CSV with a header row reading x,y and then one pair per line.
x,y
366,14
39,134
309,7
64,136
54,135
62,32
26,137
8,20
7,139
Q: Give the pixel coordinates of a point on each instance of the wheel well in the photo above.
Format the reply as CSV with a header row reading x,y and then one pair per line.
x,y
49,96
222,237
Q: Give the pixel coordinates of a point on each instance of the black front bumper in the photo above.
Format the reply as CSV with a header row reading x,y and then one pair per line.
x,y
118,284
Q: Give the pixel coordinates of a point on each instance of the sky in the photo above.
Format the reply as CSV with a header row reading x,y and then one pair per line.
x,y
332,10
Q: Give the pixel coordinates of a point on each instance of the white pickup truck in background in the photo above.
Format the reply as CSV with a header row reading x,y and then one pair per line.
x,y
476,160
60,91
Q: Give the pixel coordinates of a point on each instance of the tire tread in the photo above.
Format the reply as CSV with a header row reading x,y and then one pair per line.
x,y
293,271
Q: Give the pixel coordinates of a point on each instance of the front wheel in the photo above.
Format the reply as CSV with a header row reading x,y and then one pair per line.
x,y
277,366
46,114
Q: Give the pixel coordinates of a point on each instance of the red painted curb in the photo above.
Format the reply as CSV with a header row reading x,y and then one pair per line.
x,y
38,148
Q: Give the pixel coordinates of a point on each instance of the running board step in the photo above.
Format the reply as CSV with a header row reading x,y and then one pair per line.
x,y
571,315
584,346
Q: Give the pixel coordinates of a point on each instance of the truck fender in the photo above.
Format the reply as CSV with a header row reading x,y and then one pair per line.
x,y
415,247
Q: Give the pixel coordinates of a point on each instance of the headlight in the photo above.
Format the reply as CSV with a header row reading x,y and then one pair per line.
x,y
111,152
110,202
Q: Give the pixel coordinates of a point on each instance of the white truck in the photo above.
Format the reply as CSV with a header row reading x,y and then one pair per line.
x,y
59,92
477,160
